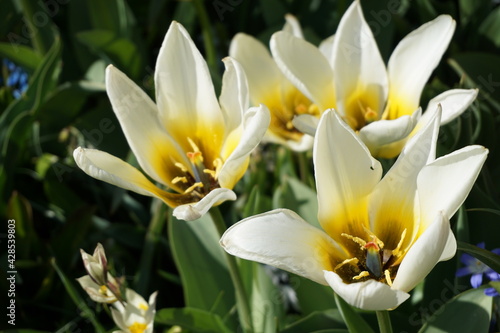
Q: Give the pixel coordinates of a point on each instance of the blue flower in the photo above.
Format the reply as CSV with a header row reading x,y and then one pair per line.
x,y
16,80
477,269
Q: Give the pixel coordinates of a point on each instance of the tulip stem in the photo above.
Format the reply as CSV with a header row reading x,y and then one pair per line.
x,y
384,321
241,295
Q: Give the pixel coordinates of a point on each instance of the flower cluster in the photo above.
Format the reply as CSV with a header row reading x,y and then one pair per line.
x,y
131,313
16,78
380,236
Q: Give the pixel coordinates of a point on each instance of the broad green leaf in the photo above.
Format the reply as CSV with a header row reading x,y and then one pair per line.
x,y
488,258
468,312
201,265
120,51
318,321
192,319
39,25
22,55
491,26
353,320
312,296
256,203
294,195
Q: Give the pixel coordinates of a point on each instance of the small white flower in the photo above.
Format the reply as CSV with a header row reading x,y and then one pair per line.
x,y
137,315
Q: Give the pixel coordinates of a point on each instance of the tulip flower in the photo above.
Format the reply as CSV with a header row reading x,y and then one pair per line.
x,y
380,103
194,147
380,237
267,85
137,315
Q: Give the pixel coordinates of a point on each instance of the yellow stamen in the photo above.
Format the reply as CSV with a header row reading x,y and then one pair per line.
x,y
103,290
179,179
354,239
194,146
289,125
210,172
218,166
374,238
193,187
361,275
370,115
300,108
313,109
388,277
181,166
137,327
352,261
396,251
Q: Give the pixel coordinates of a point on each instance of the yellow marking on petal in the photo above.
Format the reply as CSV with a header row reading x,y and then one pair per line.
x,y
351,261
143,306
137,327
301,108
396,251
354,239
289,125
388,277
361,275
179,179
193,187
370,115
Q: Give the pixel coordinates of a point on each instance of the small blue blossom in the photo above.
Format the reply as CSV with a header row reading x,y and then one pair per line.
x,y
477,269
16,79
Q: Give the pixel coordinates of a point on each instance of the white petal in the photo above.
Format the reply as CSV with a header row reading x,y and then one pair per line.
x,y
261,71
358,64
453,102
423,255
234,98
292,26
414,59
392,203
345,174
110,169
140,122
456,173
306,123
184,91
326,47
191,212
306,67
383,132
368,295
256,124
283,239
304,144
450,248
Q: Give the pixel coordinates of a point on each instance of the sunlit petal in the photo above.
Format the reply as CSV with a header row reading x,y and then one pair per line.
x,y
360,74
413,61
457,173
423,255
184,91
453,102
368,295
234,98
283,239
255,126
193,211
292,26
305,66
261,71
345,174
139,120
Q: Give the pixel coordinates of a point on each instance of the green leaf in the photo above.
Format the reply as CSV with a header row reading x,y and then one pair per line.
x,y
488,258
294,195
86,312
469,311
191,319
23,56
41,30
312,296
121,51
318,321
353,320
491,26
202,266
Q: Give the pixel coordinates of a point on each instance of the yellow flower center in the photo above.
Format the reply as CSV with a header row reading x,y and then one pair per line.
x,y
284,108
196,178
371,260
361,109
103,290
137,327
143,306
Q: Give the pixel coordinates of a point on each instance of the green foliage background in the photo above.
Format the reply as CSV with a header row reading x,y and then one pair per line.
x,y
65,45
